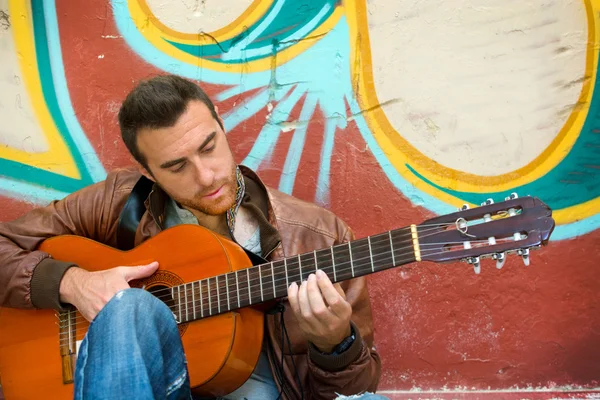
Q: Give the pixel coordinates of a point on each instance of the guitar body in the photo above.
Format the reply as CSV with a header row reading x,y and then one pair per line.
x,y
221,350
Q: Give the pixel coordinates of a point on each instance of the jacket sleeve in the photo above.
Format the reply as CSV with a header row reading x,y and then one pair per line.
x,y
357,369
30,278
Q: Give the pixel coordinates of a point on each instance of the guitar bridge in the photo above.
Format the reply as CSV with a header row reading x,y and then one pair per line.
x,y
68,343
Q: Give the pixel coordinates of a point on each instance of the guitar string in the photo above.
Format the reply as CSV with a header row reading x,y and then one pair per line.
x,y
343,269
384,236
269,283
167,293
407,234
223,285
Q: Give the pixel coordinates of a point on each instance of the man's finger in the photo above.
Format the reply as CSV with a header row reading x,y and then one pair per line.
x,y
305,311
141,271
317,304
333,295
293,298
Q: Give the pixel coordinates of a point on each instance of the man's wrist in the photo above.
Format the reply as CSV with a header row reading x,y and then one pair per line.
x,y
341,346
67,284
337,361
45,283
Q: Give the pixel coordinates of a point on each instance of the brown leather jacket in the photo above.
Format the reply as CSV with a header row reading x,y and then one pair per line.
x,y
30,278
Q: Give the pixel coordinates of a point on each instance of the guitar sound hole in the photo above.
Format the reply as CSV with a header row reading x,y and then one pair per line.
x,y
163,293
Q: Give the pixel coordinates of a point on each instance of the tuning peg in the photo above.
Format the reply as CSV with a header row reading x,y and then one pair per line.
x,y
487,202
500,259
464,207
476,264
525,254
512,196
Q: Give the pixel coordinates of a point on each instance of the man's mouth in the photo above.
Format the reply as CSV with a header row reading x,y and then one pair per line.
x,y
215,193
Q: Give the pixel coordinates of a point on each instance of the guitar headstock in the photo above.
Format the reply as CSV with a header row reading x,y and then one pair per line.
x,y
493,230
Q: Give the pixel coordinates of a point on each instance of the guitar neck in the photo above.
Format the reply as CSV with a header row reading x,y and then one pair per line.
x,y
266,282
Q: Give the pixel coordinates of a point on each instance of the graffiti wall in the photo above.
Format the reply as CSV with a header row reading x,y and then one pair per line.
x,y
386,112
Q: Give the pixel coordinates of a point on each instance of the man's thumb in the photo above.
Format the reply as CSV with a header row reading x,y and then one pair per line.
x,y
141,271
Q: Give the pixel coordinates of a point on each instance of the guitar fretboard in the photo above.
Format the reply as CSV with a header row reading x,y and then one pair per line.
x,y
261,283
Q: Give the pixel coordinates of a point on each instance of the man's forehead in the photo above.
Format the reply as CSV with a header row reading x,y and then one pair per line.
x,y
187,127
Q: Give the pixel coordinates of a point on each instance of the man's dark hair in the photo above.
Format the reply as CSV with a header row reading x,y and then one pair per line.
x,y
157,103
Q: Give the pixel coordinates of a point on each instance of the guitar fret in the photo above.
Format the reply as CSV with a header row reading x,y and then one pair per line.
x,y
201,300
333,265
273,279
181,293
218,297
237,288
249,293
371,254
260,280
392,247
351,262
173,297
179,301
209,297
186,303
193,301
227,287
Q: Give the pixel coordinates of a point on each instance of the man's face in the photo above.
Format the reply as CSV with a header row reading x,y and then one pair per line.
x,y
192,161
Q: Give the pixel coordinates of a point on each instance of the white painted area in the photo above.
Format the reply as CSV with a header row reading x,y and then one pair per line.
x,y
483,85
19,128
195,16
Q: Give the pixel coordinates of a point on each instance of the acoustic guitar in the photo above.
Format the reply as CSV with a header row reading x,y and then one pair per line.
x,y
216,293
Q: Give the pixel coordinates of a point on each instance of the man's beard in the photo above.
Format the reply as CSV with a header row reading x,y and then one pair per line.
x,y
211,207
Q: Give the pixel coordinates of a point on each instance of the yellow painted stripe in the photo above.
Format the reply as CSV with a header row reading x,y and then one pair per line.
x,y
156,35
58,158
577,213
249,17
400,152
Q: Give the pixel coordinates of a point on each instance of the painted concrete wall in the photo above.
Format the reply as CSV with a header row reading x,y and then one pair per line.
x,y
387,112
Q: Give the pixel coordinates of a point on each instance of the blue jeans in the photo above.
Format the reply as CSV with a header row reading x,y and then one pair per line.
x,y
133,350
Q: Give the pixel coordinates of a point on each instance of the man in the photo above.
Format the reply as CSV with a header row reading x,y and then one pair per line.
x,y
173,131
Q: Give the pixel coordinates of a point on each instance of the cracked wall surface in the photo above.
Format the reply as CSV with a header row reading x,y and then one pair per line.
x,y
387,112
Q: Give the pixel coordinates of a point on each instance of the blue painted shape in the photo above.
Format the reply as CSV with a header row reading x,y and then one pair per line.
x,y
269,134
330,82
27,173
55,93
153,56
292,161
284,23
246,110
85,149
29,192
322,196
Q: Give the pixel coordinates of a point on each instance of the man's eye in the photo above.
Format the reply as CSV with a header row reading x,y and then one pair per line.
x,y
209,149
178,169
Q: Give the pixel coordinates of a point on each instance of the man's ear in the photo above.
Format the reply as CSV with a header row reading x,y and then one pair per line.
x,y
145,172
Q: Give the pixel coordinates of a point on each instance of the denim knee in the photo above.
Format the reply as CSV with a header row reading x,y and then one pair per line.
x,y
135,304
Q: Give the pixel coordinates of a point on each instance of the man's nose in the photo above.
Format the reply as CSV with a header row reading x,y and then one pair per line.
x,y
204,176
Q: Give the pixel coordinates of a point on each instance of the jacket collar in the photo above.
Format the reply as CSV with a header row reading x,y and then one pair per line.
x,y
157,200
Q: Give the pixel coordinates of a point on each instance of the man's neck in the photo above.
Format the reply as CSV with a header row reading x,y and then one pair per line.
x,y
216,223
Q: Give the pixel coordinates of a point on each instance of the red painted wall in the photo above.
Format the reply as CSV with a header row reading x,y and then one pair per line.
x,y
436,326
